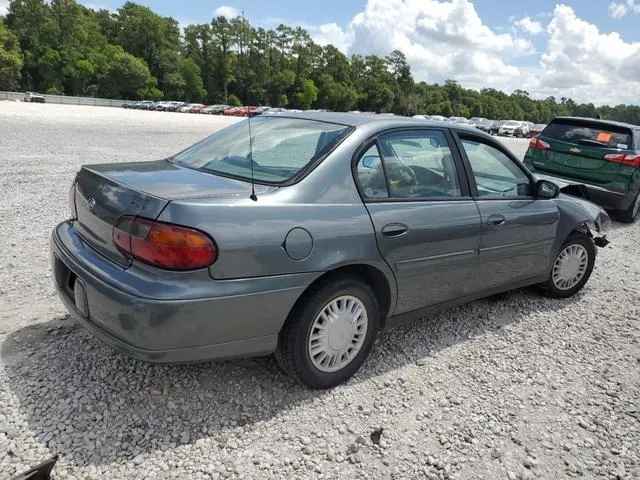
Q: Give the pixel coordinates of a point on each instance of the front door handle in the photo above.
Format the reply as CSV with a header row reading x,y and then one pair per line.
x,y
495,220
394,230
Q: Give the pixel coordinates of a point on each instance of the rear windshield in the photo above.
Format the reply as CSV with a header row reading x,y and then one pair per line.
x,y
584,133
280,148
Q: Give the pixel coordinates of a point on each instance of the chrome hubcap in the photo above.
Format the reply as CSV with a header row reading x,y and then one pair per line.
x,y
570,266
337,333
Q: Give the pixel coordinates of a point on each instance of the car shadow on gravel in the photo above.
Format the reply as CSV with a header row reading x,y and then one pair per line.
x,y
93,406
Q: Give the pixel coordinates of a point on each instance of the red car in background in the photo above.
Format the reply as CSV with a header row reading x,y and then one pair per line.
x,y
242,111
196,108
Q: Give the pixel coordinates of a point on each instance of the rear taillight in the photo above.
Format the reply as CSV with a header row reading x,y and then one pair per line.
x,y
164,245
536,144
72,201
632,160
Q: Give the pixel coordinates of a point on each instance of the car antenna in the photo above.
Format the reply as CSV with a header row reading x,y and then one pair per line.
x,y
253,195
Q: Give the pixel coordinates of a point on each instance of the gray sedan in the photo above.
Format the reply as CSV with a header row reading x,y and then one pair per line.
x,y
303,235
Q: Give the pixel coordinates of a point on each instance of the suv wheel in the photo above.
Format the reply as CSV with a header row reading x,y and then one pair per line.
x,y
330,333
572,267
631,213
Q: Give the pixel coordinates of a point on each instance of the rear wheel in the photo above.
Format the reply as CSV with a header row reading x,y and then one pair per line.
x,y
572,267
631,213
330,333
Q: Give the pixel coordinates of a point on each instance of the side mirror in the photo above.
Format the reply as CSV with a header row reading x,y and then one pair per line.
x,y
546,189
370,161
433,142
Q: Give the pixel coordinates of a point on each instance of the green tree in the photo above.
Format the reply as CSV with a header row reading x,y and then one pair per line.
x,y
193,88
307,94
11,61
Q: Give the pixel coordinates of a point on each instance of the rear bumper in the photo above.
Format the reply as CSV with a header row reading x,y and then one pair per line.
x,y
237,318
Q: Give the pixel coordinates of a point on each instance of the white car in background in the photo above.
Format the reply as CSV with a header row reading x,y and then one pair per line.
x,y
32,97
513,128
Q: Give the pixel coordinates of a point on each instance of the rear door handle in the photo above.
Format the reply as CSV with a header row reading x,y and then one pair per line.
x,y
495,220
394,230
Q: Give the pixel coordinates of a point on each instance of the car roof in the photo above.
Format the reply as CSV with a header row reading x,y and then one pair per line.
x,y
382,121
600,121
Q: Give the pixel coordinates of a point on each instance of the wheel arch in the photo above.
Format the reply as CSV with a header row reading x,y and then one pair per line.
x,y
382,284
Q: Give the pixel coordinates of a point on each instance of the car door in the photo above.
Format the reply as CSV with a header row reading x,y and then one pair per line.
x,y
518,230
427,225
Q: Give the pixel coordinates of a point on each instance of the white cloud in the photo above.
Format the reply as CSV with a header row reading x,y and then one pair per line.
x,y
441,39
331,33
4,6
583,63
618,10
529,26
448,39
226,11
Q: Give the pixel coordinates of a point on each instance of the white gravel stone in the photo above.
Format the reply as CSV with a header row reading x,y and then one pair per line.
x,y
518,386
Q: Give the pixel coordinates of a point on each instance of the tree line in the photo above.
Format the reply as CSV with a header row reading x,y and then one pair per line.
x,y
62,47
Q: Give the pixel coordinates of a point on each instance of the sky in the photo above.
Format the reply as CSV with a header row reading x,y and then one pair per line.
x,y
586,50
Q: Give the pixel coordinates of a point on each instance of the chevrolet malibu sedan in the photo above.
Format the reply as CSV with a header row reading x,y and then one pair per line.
x,y
307,236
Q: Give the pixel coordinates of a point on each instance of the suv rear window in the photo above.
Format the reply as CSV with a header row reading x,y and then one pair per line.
x,y
589,133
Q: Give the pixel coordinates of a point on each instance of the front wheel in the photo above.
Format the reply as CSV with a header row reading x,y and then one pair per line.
x,y
572,267
330,333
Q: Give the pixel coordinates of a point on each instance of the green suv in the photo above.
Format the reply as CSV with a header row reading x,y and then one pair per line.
x,y
602,155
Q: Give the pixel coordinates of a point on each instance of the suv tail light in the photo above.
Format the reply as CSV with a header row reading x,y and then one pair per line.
x,y
72,201
632,160
536,144
164,245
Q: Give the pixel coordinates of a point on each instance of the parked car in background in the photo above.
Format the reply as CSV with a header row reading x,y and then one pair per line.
x,y
535,130
147,105
177,260
421,117
175,106
437,118
33,97
276,111
126,104
459,120
603,155
488,126
512,128
242,111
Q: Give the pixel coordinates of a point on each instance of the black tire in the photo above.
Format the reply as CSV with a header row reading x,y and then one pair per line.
x,y
549,287
292,353
630,214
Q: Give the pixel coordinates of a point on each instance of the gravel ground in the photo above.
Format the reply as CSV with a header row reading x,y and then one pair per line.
x,y
516,386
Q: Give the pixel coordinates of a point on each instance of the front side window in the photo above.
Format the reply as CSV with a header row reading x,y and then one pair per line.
x,y
371,174
280,148
419,164
496,175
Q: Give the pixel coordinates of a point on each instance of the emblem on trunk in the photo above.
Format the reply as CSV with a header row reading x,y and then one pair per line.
x,y
91,204
575,151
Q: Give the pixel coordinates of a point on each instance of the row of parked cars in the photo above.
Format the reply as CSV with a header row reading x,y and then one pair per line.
x,y
506,128
218,109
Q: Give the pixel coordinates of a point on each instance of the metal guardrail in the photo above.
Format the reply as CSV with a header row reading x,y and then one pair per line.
x,y
91,101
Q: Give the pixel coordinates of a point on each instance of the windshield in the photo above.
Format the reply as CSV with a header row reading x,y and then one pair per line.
x,y
281,147
511,124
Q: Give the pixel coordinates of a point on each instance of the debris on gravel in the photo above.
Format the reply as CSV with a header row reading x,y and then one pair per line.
x,y
518,386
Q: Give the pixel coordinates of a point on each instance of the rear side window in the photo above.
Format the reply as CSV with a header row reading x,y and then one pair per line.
x,y
593,134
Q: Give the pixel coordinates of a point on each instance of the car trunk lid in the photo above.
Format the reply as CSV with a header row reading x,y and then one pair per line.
x,y
107,191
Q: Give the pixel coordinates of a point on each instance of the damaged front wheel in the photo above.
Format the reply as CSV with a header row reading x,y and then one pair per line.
x,y
572,267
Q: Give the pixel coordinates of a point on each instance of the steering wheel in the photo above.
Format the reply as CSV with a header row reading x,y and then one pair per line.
x,y
401,174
